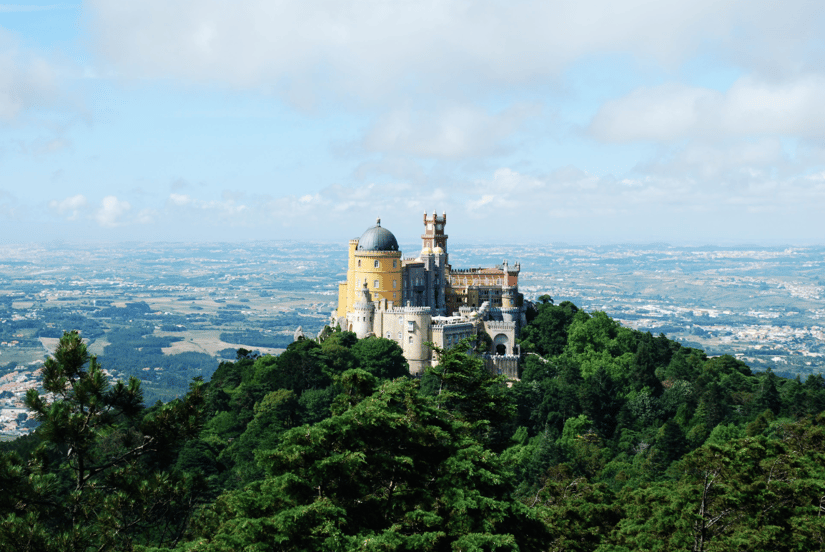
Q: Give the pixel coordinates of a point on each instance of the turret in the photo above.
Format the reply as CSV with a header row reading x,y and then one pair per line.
x,y
360,319
416,335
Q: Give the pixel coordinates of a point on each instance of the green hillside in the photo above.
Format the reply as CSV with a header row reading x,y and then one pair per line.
x,y
613,440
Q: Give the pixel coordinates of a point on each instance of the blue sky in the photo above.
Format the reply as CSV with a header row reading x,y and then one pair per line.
x,y
586,121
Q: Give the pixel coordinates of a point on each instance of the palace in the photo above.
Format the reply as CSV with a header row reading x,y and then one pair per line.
x,y
415,301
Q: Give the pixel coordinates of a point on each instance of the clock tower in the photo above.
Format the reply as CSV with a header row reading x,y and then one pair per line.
x,y
434,235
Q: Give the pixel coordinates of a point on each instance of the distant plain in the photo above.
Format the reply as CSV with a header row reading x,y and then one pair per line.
x,y
167,312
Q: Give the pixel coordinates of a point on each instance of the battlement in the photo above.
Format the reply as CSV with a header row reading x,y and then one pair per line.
x,y
503,365
459,324
435,218
480,271
418,310
500,325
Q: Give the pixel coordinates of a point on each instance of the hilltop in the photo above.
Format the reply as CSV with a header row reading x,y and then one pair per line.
x,y
614,439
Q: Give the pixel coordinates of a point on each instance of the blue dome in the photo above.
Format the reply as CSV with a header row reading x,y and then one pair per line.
x,y
377,239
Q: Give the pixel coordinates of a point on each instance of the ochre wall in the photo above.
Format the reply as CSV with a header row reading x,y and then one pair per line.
x,y
384,273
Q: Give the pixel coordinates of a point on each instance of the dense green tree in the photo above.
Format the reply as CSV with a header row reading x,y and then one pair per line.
x,y
472,394
601,400
748,494
337,349
302,366
104,477
381,357
391,472
579,514
547,332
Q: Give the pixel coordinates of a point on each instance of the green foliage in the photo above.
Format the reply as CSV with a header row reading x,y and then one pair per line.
x,y
613,440
381,357
472,394
392,472
103,478
547,332
753,494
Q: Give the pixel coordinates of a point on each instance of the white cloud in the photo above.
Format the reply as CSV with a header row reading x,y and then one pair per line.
x,y
111,211
180,199
376,49
72,206
27,80
720,162
451,133
749,107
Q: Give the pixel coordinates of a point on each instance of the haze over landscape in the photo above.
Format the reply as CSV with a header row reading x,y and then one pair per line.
x,y
528,122
621,349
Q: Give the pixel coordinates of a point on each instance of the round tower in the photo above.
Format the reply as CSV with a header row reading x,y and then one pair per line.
x,y
375,260
508,297
361,316
417,321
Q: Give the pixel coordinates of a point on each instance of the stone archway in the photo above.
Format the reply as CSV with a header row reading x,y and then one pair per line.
x,y
501,344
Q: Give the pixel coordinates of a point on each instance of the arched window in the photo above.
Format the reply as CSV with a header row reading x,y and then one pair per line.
x,y
359,262
375,264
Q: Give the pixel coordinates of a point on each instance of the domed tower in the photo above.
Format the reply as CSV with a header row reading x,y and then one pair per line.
x,y
374,260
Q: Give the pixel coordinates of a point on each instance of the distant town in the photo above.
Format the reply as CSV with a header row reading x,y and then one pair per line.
x,y
166,313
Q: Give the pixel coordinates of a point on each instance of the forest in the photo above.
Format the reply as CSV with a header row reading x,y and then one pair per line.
x,y
612,440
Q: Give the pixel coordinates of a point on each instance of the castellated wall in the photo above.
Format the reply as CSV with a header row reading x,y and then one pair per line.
x,y
410,327
502,333
506,365
449,334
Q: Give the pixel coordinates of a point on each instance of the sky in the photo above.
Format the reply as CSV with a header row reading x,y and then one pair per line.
x,y
526,121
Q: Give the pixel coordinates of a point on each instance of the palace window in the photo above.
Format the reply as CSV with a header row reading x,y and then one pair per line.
x,y
410,341
375,284
394,284
410,326
359,262
375,264
394,264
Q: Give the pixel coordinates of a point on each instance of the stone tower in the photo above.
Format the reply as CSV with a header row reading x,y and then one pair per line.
x,y
434,235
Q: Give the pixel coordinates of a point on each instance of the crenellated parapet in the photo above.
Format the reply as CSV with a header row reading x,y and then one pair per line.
x,y
418,310
499,325
503,365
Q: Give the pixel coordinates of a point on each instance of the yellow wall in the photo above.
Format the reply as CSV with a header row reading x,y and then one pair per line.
x,y
342,300
384,273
